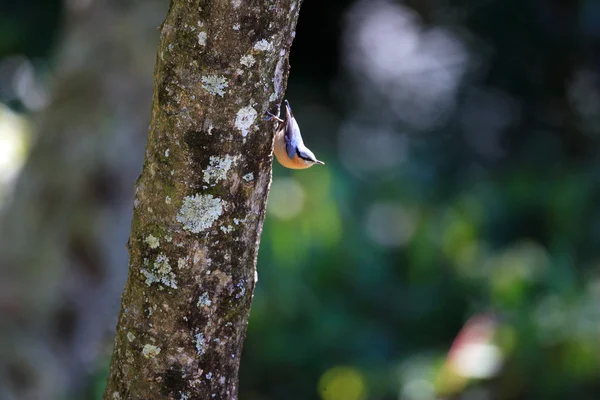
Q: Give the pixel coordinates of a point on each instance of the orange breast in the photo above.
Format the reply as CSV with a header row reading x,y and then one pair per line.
x,y
282,157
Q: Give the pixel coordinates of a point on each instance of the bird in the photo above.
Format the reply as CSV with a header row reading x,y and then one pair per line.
x,y
289,147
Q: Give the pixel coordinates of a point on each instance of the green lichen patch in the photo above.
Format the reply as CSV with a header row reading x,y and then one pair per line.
x,y
150,351
218,168
199,212
181,263
247,60
161,272
152,241
215,84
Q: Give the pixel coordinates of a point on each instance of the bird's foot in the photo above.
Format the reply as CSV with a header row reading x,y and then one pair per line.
x,y
270,116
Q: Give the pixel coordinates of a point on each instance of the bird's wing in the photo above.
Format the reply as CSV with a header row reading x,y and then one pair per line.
x,y
290,148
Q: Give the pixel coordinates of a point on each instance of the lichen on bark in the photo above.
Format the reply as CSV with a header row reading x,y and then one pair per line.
x,y
201,198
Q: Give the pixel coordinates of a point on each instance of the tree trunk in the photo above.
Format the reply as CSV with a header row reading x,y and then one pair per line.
x,y
200,200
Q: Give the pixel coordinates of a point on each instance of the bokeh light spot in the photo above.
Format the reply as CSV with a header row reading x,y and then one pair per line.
x,y
514,269
14,142
417,69
390,224
286,199
365,150
478,360
342,383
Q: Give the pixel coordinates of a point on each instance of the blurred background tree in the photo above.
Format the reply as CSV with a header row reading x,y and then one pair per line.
x,y
461,142
84,77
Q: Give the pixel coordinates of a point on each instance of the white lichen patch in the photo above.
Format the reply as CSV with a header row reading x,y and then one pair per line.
x,y
199,212
215,84
181,263
244,119
130,336
249,177
262,45
218,168
209,376
248,60
236,27
236,3
238,221
164,272
161,273
150,351
167,151
116,395
168,200
152,241
204,301
202,38
168,238
200,343
227,229
278,77
208,126
242,288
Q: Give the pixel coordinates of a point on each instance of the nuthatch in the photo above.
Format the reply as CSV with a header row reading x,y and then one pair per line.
x,y
289,149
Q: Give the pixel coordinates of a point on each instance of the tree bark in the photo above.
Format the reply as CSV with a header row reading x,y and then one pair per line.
x,y
201,198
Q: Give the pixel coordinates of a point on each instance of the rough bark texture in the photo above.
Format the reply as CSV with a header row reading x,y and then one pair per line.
x,y
62,253
200,200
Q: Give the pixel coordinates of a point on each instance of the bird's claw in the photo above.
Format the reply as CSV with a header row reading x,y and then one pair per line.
x,y
270,116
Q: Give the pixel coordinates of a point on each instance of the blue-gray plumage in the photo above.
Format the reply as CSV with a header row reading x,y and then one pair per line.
x,y
292,132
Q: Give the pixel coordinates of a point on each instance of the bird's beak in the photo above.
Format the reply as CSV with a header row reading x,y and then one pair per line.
x,y
319,162
288,110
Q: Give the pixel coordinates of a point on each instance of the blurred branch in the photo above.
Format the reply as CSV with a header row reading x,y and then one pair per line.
x,y
200,200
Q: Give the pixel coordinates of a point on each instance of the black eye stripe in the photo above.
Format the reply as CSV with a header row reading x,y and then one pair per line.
x,y
302,157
